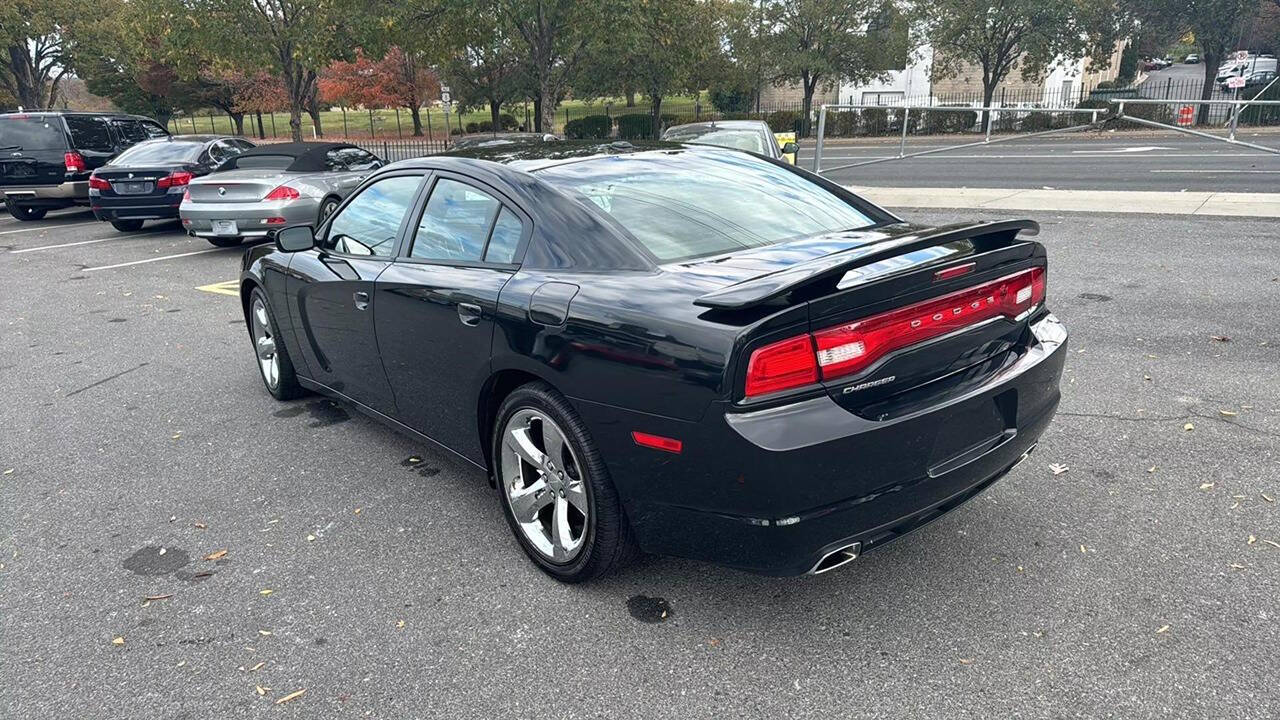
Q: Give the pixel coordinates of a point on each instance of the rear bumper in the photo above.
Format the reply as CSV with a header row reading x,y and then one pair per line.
x,y
250,218
774,491
61,195
149,207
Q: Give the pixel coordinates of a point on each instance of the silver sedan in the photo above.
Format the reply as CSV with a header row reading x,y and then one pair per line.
x,y
272,187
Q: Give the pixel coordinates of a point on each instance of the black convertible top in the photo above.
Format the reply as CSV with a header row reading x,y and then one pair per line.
x,y
307,156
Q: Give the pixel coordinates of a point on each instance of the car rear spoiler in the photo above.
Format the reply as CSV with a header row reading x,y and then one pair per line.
x,y
830,267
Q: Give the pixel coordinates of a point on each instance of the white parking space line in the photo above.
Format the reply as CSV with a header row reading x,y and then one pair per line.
x,y
80,242
1225,171
1072,156
48,227
158,259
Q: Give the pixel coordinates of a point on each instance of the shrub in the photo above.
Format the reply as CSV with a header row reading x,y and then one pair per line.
x,y
455,131
731,99
591,127
485,126
949,121
783,121
842,123
635,126
473,127
874,121
508,121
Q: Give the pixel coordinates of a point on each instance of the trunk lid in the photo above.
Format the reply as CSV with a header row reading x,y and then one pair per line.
x,y
882,313
135,181
238,185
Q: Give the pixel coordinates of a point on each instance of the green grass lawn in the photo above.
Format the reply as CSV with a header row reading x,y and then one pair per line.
x,y
391,125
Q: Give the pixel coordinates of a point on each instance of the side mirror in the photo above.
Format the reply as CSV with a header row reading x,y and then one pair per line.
x,y
790,148
296,239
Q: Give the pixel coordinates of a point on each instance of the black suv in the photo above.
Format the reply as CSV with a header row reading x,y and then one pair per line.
x,y
46,157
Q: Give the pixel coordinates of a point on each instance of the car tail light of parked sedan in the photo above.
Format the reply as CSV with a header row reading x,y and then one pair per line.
x,y
680,349
284,192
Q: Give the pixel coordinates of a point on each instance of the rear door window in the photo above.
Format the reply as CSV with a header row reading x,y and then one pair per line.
x,y
130,132
90,133
31,133
455,224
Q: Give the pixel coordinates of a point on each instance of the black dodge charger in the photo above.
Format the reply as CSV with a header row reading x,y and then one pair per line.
x,y
674,349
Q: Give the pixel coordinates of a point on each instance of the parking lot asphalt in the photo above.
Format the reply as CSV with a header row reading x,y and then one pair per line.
x,y
378,575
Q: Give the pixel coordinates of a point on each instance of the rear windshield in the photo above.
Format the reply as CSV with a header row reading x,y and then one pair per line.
x,y
688,204
31,133
159,153
271,162
736,139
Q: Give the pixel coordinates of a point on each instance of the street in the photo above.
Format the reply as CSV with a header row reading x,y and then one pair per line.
x,y
300,546
1163,161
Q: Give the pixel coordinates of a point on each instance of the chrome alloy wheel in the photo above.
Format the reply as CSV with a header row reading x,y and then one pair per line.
x,y
265,344
544,485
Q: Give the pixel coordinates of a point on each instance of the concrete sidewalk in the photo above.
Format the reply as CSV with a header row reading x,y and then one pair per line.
x,y
1111,201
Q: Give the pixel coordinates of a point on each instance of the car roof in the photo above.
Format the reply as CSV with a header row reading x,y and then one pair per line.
x,y
533,156
110,114
307,156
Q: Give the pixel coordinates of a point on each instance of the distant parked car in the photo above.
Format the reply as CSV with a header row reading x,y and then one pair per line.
x,y
750,135
1192,59
147,181
272,187
46,157
498,139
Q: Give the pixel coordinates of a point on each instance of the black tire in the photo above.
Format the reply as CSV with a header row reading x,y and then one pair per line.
x,y
286,386
225,241
608,542
127,225
25,212
327,206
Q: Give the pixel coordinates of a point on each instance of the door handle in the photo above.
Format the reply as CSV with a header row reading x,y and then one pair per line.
x,y
469,314
361,300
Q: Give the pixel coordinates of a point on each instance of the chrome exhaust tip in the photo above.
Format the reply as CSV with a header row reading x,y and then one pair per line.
x,y
836,558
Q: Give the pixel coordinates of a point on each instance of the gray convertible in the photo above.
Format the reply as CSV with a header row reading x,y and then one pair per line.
x,y
272,187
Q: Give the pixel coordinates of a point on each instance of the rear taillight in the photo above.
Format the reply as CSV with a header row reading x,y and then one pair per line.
x,y
284,192
853,347
74,162
186,195
782,365
97,183
174,179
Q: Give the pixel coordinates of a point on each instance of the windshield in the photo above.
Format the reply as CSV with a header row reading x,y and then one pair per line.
x,y
165,152
688,204
748,140
269,162
32,133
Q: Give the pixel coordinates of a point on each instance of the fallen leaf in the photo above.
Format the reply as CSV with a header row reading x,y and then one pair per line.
x,y
291,696
1228,413
1206,486
1220,338
1019,568
966,661
1151,469
400,624
1267,497
415,459
1058,469
311,538
1252,539
172,518
1272,543
215,555
1082,549
175,436
117,640
264,632
1188,426
261,690
9,471
267,591
181,663
1236,566
1146,377
357,511
149,598
201,526
1163,629
257,667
